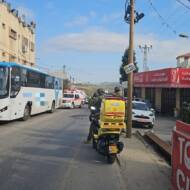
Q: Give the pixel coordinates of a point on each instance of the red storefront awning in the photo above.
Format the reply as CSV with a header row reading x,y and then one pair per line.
x,y
164,78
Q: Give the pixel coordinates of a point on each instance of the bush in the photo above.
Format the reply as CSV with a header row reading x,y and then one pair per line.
x,y
185,113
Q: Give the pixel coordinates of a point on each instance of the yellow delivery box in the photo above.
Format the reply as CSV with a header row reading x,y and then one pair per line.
x,y
112,110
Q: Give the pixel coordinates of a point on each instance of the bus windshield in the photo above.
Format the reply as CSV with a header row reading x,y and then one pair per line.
x,y
4,84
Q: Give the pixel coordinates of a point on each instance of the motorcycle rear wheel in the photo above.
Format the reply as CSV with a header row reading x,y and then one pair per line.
x,y
111,159
94,144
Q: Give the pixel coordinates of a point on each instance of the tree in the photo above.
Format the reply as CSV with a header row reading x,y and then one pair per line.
x,y
124,76
66,84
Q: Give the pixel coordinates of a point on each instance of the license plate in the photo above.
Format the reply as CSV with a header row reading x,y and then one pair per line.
x,y
141,120
113,149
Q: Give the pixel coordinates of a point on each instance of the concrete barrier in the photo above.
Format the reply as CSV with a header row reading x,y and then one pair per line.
x,y
181,156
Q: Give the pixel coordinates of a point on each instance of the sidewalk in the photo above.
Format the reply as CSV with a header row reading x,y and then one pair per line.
x,y
164,127
142,168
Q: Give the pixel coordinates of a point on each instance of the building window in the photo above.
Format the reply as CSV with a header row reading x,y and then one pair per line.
x,y
12,58
13,34
3,54
24,45
32,46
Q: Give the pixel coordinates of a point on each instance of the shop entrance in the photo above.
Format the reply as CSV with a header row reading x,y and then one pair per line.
x,y
168,101
150,96
137,92
184,96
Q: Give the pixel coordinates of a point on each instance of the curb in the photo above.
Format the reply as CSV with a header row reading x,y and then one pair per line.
x,y
160,146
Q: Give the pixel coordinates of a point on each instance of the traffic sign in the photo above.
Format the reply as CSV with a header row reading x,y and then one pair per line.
x,y
129,68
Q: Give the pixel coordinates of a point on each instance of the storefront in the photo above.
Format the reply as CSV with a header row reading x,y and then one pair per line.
x,y
166,89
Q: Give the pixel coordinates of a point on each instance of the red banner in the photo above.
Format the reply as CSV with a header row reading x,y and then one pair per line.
x,y
169,78
184,77
181,157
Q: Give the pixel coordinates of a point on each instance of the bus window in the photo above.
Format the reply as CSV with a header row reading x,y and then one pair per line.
x,y
33,79
49,82
23,77
15,81
42,80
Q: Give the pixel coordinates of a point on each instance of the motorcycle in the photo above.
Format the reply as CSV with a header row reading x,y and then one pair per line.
x,y
107,127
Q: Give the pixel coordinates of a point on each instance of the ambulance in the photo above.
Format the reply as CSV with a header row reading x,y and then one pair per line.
x,y
72,99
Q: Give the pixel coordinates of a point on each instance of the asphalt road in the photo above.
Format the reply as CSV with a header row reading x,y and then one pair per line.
x,y
47,153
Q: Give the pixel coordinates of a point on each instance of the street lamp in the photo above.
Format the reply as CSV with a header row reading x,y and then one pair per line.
x,y
183,35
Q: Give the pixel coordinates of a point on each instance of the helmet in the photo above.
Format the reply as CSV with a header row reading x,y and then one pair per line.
x,y
95,94
117,89
100,91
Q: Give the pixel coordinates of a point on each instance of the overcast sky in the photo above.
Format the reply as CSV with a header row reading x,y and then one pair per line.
x,y
90,37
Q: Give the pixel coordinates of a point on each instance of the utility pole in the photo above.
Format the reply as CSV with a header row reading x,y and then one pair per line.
x,y
131,17
64,69
130,75
145,50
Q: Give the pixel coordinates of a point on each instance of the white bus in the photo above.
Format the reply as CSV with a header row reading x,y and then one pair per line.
x,y
26,91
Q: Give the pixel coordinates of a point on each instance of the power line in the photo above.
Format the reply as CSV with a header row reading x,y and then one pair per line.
x,y
183,4
164,22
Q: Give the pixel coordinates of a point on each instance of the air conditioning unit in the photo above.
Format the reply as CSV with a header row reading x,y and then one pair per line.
x,y
15,12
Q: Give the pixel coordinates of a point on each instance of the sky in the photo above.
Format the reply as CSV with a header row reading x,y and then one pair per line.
x,y
89,37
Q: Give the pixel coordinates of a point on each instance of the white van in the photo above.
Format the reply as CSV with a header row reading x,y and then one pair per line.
x,y
71,99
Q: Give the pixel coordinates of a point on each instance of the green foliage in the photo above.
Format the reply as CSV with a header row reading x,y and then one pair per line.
x,y
125,62
185,115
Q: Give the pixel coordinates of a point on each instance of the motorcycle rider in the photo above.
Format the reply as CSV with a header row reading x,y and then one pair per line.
x,y
117,92
96,102
92,100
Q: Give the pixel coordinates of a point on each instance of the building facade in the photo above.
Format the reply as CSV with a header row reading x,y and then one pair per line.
x,y
183,61
166,89
17,38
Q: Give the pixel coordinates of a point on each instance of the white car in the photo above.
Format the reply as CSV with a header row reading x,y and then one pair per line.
x,y
142,114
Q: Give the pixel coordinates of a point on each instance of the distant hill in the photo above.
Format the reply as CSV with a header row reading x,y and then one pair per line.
x,y
91,88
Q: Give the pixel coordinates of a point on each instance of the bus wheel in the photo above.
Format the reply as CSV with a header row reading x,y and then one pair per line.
x,y
26,113
52,107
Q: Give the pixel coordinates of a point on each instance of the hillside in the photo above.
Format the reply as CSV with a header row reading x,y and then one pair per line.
x,y
91,88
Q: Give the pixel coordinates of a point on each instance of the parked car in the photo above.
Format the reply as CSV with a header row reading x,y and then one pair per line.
x,y
143,100
142,114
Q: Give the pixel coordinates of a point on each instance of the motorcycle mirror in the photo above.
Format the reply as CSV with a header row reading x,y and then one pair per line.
x,y
92,108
